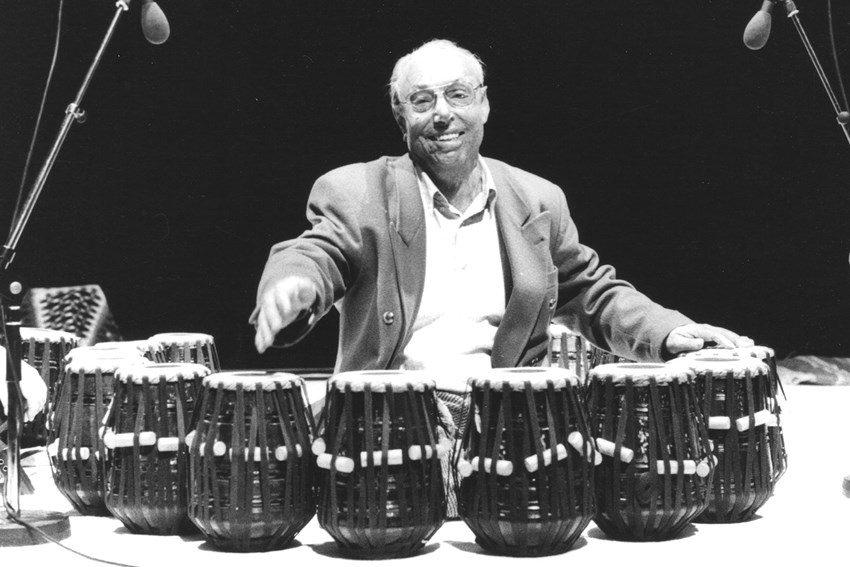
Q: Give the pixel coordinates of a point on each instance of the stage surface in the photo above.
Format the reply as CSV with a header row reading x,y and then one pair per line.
x,y
806,521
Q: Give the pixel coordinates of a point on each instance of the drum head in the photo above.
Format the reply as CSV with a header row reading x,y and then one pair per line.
x,y
252,380
516,378
382,380
640,373
734,366
182,338
161,372
51,335
86,359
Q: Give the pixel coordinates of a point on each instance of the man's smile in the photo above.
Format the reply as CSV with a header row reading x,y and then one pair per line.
x,y
446,137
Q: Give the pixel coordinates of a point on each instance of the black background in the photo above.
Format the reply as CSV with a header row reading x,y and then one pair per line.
x,y
712,176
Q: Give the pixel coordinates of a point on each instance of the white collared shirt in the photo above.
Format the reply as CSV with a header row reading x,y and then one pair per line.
x,y
464,296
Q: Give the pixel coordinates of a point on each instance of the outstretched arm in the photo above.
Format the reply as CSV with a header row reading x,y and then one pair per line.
x,y
288,300
304,276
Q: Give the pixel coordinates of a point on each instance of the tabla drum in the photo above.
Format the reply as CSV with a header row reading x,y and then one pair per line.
x,y
44,349
75,448
526,462
149,349
145,430
778,453
734,392
597,356
198,348
250,468
656,469
381,486
568,350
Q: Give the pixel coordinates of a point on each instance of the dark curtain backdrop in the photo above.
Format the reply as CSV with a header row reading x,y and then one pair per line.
x,y
713,177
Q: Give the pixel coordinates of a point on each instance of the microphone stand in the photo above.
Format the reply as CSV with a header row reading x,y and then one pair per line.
x,y
842,116
14,528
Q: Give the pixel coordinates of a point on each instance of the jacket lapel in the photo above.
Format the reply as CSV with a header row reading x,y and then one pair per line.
x,y
408,244
525,237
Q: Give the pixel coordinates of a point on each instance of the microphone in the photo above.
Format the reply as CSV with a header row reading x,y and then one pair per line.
x,y
154,23
758,30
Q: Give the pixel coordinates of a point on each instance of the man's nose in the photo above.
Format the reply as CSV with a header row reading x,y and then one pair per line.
x,y
442,109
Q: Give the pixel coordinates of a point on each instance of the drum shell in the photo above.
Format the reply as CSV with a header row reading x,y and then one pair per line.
x,y
776,438
526,513
660,421
44,351
82,400
386,510
196,354
195,348
242,504
745,474
147,488
598,356
778,460
568,350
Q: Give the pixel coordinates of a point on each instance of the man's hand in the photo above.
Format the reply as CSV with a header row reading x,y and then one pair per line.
x,y
280,305
694,336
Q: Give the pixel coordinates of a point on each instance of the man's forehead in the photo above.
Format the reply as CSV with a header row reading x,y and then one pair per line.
x,y
435,68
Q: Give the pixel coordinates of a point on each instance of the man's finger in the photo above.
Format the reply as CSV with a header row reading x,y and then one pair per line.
x,y
260,341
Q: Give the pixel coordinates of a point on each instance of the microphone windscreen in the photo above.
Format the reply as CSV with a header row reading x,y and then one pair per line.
x,y
758,30
154,23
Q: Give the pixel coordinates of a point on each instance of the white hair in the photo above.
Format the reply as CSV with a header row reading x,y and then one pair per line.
x,y
402,64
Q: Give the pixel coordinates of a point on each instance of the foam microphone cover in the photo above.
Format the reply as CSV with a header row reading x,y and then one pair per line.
x,y
758,30
154,23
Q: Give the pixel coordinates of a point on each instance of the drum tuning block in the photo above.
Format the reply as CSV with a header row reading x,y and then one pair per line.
x,y
560,452
607,448
576,441
325,460
763,417
71,454
502,468
702,468
340,464
280,453
113,440
218,448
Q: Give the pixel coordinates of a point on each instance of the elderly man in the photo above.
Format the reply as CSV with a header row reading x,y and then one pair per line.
x,y
444,259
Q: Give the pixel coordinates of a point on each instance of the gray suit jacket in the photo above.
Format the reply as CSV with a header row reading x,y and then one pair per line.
x,y
366,253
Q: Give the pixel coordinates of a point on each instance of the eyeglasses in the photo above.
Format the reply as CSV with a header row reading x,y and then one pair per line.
x,y
458,95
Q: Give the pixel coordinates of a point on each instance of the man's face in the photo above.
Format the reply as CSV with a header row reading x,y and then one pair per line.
x,y
444,138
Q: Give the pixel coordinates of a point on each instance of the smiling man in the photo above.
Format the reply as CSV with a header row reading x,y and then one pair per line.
x,y
443,259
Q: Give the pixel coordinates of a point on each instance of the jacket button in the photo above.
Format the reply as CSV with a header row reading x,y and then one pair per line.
x,y
552,303
388,317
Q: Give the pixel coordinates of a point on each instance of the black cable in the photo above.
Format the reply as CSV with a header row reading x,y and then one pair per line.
x,y
22,188
62,545
835,54
15,515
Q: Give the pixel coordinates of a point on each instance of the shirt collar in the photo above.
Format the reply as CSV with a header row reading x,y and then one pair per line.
x,y
482,201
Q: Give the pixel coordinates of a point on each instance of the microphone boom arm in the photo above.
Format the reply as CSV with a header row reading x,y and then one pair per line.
x,y
842,116
73,113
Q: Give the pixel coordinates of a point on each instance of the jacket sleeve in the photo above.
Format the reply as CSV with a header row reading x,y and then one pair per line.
x,y
606,310
328,253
